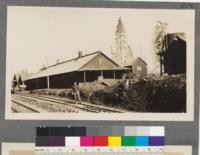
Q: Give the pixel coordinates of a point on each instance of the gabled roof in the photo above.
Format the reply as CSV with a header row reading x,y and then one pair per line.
x,y
71,65
138,58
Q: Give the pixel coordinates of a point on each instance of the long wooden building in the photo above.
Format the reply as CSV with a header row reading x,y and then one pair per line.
x,y
84,68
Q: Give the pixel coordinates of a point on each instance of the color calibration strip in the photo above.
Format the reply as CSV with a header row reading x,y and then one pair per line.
x,y
101,136
100,140
51,141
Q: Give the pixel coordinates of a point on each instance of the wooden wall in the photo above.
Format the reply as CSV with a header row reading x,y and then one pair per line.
x,y
100,62
139,68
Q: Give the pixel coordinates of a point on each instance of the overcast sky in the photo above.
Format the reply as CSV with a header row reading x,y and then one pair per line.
x,y
35,34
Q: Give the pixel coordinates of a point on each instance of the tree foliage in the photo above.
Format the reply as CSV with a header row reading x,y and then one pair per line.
x,y
159,34
121,51
15,81
20,80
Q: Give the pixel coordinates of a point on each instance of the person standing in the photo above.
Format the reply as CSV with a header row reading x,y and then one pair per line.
x,y
76,92
127,84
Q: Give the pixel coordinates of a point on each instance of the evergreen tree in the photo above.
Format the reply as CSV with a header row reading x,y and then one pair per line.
x,y
15,81
121,51
20,80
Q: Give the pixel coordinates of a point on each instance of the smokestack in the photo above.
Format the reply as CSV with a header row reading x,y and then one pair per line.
x,y
80,54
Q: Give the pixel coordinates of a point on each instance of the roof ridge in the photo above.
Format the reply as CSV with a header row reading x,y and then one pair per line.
x,y
140,59
74,59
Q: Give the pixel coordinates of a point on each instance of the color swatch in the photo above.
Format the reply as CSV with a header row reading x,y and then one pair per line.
x,y
100,141
114,141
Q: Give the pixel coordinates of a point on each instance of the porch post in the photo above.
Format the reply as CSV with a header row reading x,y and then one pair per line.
x,y
84,74
102,73
114,74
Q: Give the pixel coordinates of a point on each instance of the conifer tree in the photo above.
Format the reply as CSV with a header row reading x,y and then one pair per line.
x,y
15,81
121,51
20,80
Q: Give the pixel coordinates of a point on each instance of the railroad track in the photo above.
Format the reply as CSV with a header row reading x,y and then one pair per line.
x,y
89,106
15,110
83,106
20,106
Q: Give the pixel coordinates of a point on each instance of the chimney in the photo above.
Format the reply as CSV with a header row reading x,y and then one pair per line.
x,y
80,54
57,61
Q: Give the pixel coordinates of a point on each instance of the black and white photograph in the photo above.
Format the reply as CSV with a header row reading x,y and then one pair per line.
x,y
99,63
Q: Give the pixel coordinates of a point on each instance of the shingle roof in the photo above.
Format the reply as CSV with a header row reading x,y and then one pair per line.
x,y
68,66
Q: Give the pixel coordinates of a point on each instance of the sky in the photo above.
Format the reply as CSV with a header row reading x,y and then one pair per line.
x,y
40,35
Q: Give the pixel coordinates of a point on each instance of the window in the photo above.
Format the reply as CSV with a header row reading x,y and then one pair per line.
x,y
139,68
